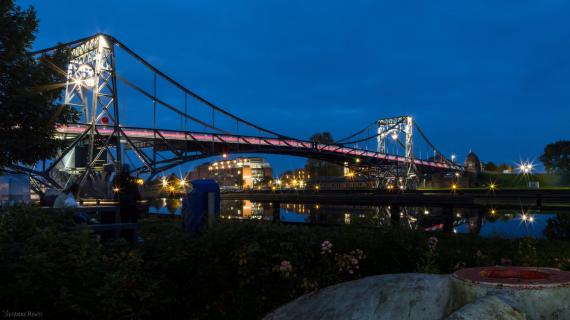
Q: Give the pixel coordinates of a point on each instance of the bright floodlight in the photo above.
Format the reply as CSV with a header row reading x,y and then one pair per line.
x,y
85,75
526,167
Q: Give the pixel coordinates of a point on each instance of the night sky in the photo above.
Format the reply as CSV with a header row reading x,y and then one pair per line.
x,y
487,76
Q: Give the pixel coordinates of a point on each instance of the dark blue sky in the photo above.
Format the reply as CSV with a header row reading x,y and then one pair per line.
x,y
491,76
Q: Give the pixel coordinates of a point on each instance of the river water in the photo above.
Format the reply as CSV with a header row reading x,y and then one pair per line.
x,y
500,223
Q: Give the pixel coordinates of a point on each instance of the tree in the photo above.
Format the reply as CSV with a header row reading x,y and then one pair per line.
x,y
558,228
503,167
491,166
29,90
556,157
317,168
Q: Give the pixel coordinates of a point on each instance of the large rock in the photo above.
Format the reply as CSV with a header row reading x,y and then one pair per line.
x,y
489,307
394,296
476,293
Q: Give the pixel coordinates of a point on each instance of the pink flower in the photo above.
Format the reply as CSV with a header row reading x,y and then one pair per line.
x,y
286,266
432,242
326,247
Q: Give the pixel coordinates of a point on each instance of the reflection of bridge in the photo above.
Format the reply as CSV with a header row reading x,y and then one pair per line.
x,y
107,136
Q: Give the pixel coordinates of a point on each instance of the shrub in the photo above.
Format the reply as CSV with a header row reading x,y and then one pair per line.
x,y
232,270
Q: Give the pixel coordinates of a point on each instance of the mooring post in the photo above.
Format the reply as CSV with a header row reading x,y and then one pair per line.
x,y
276,212
448,219
211,209
480,216
395,214
539,201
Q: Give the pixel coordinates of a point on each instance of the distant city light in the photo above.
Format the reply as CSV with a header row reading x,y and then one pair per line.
x,y
454,186
452,157
224,155
492,186
526,167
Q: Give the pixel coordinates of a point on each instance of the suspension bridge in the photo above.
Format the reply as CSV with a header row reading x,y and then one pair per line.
x,y
105,138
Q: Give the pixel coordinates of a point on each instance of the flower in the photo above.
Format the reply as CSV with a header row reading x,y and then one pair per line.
x,y
326,247
432,243
460,265
349,262
506,262
285,266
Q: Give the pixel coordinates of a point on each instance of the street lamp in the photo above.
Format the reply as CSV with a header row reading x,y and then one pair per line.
x,y
526,167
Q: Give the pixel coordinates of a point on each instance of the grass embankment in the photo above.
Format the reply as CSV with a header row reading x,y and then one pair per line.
x,y
232,271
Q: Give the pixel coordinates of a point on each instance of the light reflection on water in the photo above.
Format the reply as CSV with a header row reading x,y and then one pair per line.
x,y
509,224
512,225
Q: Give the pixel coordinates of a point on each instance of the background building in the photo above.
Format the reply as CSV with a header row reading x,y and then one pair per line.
x,y
293,179
237,173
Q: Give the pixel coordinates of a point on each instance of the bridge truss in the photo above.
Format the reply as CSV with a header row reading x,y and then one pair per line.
x,y
103,141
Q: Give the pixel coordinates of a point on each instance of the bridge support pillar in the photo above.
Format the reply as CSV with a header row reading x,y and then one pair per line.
x,y
447,218
395,211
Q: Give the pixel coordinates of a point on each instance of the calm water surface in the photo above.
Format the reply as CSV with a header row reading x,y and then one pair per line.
x,y
505,223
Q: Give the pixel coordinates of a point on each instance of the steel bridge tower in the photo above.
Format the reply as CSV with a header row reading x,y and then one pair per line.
x,y
91,88
392,129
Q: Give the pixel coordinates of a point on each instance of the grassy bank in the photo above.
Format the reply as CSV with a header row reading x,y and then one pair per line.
x,y
232,271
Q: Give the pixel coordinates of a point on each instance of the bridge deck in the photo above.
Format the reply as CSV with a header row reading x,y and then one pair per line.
x,y
218,143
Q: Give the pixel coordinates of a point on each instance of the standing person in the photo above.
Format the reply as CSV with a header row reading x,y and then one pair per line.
x,y
127,194
67,197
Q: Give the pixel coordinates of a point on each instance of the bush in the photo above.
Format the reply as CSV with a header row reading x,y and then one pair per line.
x,y
231,271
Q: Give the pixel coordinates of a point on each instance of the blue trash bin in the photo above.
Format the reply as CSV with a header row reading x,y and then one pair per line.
x,y
195,204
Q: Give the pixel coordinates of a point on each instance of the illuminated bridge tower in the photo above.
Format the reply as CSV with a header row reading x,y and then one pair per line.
x,y
390,134
92,90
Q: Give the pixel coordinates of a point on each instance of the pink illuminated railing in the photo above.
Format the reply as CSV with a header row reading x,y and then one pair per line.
x,y
258,141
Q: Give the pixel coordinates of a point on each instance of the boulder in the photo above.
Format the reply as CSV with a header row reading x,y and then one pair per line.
x,y
488,307
393,296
